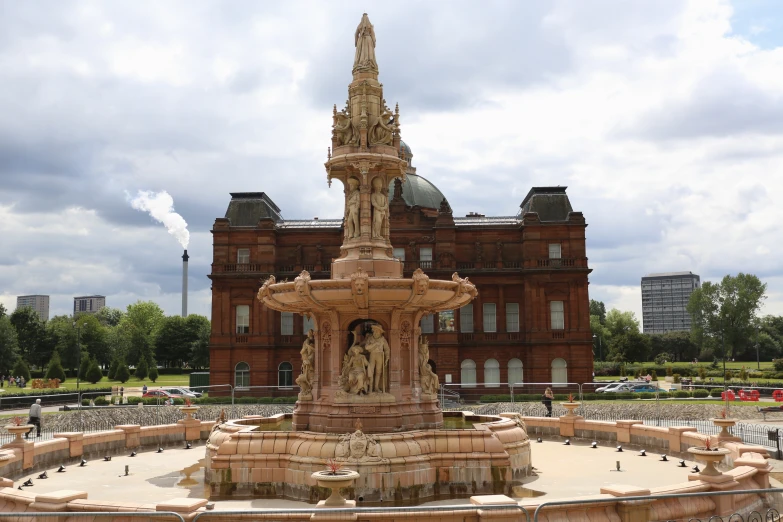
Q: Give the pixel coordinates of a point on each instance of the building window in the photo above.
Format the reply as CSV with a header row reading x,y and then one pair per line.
x,y
490,318
556,314
307,324
446,321
399,253
242,375
427,324
512,317
286,323
243,256
468,376
554,250
559,372
425,257
466,319
492,373
285,375
515,375
243,319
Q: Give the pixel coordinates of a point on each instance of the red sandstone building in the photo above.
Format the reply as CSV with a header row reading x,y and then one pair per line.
x,y
530,322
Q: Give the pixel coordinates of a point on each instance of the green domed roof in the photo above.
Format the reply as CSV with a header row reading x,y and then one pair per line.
x,y
418,191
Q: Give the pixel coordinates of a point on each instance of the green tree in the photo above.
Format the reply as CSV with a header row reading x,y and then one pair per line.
x,y
726,311
139,323
123,373
142,370
173,341
84,366
629,347
8,346
153,375
94,373
600,337
109,316
618,323
3,311
61,335
93,338
199,357
30,333
112,374
55,369
598,308
21,369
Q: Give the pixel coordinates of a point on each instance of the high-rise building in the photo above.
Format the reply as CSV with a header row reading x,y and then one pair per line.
x,y
665,299
88,304
39,303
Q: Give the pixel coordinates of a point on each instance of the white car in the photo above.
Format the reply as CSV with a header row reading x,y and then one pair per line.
x,y
182,392
609,387
623,387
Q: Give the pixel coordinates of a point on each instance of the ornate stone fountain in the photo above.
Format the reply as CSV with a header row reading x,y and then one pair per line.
x,y
364,358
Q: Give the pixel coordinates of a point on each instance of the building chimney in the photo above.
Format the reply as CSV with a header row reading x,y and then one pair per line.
x,y
185,258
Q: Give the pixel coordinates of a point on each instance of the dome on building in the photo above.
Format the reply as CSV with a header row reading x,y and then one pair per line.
x,y
405,150
418,191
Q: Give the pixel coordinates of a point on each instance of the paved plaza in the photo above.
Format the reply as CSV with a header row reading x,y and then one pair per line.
x,y
561,471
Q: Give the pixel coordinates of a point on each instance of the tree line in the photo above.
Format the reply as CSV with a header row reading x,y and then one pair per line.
x,y
725,322
141,336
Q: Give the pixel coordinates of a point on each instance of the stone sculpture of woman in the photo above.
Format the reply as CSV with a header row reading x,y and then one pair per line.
x,y
364,59
305,380
380,209
380,132
352,229
357,371
429,380
379,352
345,130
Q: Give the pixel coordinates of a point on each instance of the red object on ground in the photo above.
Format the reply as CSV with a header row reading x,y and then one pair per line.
x,y
730,393
777,395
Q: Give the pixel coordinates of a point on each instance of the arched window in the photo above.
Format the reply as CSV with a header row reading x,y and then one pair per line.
x,y
491,373
242,375
468,376
285,375
559,372
515,375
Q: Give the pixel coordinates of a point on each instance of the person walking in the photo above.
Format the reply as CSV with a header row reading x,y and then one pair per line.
x,y
35,418
144,390
547,401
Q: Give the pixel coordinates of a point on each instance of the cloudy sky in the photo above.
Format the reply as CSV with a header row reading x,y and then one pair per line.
x,y
664,119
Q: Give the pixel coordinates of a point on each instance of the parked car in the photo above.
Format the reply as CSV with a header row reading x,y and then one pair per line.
x,y
624,387
609,387
183,392
163,395
644,388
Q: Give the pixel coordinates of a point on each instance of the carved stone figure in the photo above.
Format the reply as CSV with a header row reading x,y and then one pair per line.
x,y
379,352
355,371
264,290
380,209
352,229
429,380
345,130
424,352
421,281
358,446
305,380
364,39
380,131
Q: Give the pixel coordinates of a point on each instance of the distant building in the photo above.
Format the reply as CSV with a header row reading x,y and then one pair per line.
x,y
88,304
39,303
665,299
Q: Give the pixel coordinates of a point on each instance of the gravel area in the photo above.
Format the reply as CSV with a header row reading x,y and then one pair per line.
x,y
640,411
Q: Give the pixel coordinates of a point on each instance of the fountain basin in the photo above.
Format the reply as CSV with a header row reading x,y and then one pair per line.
x,y
492,457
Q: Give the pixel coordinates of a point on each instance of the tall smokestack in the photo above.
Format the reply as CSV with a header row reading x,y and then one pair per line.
x,y
185,258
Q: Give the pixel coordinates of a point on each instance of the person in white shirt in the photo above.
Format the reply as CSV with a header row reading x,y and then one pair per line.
x,y
35,417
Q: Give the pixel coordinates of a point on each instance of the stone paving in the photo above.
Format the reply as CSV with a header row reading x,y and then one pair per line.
x,y
561,471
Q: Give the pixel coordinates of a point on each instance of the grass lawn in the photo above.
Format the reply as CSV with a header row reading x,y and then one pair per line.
x,y
70,384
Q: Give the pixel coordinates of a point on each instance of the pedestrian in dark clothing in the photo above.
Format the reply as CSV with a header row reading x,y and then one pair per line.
x,y
547,401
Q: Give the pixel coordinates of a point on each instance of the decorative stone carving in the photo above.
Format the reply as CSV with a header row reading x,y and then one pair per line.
x,y
352,204
380,131
301,283
359,283
446,260
397,189
345,131
326,335
305,380
429,380
364,39
358,447
379,351
353,378
264,290
405,334
421,282
464,285
445,208
380,209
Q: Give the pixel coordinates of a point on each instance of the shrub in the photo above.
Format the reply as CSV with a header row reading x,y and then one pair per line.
x,y
654,375
55,370
676,378
728,375
743,374
702,372
94,373
153,372
701,394
123,373
21,370
663,357
84,366
622,370
669,370
681,394
142,370
646,395
715,392
115,363
778,364
100,401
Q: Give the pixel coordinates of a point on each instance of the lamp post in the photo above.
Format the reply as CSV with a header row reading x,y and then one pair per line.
x,y
758,359
600,352
725,387
78,354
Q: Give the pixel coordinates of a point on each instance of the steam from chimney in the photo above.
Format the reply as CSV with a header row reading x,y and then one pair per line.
x,y
160,205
